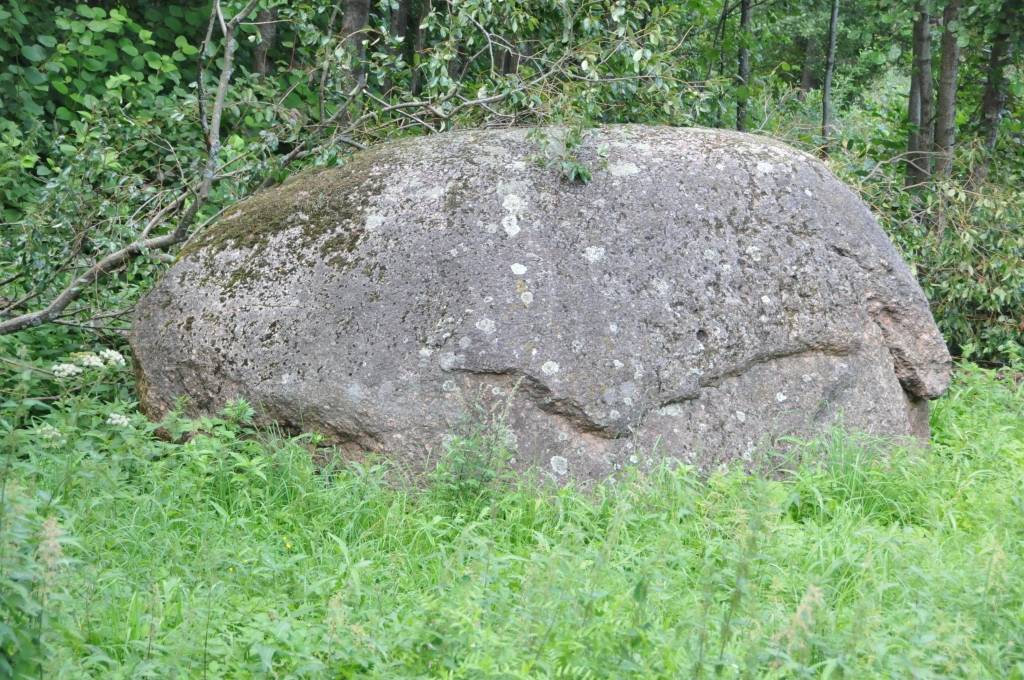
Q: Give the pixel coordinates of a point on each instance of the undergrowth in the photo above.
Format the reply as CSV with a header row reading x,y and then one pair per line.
x,y
232,555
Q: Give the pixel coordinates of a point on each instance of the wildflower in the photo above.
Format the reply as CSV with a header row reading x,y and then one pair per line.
x,y
50,552
112,357
118,420
802,623
65,370
48,432
49,435
89,360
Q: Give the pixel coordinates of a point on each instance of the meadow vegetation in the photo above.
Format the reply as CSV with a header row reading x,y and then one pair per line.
x,y
227,552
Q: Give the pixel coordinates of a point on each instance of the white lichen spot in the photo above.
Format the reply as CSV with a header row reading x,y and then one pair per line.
x,y
617,364
623,168
449,386
510,223
560,465
518,269
671,410
465,342
497,391
661,286
486,325
513,203
806,378
633,460
593,254
374,221
766,300
550,368
764,168
432,193
526,297
613,327
754,252
426,351
780,397
448,361
491,228
808,193
741,416
301,217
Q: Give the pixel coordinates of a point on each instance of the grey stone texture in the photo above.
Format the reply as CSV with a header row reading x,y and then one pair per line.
x,y
706,295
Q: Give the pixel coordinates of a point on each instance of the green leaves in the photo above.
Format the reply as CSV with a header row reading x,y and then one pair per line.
x,y
33,53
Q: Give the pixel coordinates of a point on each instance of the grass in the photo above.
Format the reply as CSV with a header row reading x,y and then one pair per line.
x,y
231,555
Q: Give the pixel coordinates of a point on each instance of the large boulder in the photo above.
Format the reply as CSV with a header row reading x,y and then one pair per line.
x,y
705,295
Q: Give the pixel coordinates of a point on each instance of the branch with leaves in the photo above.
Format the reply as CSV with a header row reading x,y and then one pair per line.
x,y
193,197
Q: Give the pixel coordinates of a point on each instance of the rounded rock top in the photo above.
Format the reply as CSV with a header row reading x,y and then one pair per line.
x,y
441,284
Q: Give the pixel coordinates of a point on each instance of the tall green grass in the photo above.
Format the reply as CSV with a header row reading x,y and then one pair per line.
x,y
232,555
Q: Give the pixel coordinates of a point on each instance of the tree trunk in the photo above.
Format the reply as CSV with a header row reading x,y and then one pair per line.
x,y
398,27
353,25
830,63
418,45
807,69
720,42
743,76
919,148
914,140
945,118
399,22
266,22
993,101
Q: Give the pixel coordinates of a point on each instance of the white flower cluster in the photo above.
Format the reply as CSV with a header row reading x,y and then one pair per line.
x,y
90,360
106,357
112,357
118,420
65,370
48,432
